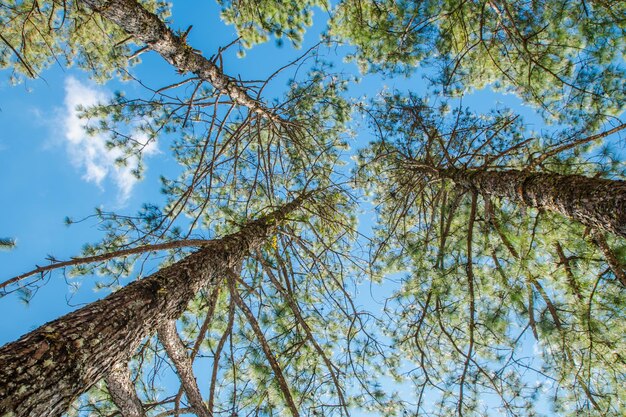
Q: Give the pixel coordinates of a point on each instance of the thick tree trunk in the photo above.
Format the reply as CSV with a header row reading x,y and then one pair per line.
x,y
146,27
45,370
595,202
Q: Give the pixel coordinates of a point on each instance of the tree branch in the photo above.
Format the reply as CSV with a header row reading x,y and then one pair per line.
x,y
122,390
105,257
267,350
614,263
169,338
146,27
574,144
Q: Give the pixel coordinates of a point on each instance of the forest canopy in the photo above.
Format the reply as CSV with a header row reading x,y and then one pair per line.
x,y
361,206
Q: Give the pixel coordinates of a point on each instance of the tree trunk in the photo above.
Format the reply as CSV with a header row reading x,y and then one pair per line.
x,y
595,202
176,351
45,370
122,391
146,27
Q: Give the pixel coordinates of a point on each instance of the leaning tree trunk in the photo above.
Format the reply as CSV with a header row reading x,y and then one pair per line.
x,y
595,202
45,370
146,27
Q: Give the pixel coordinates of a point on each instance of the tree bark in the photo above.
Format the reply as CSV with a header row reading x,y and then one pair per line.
x,y
169,338
595,202
122,390
45,370
146,27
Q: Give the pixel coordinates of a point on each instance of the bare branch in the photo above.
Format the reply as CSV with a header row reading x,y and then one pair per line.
x,y
614,263
267,350
573,144
106,256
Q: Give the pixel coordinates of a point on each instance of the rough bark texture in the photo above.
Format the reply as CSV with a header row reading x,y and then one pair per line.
x,y
169,338
146,27
45,370
122,390
595,202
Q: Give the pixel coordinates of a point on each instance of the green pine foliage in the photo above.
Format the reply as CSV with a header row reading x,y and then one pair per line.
x,y
488,305
37,34
565,57
483,279
7,243
256,21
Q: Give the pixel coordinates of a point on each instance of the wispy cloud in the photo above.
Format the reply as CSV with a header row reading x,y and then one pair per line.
x,y
89,152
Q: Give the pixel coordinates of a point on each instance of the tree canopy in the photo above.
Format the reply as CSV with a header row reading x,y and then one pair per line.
x,y
323,244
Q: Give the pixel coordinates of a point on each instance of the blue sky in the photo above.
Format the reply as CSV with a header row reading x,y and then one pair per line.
x,y
50,169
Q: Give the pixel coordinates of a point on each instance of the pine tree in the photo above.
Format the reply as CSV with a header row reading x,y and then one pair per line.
x,y
501,235
562,56
47,369
595,202
494,257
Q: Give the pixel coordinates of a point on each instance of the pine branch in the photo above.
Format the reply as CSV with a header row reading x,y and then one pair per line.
x,y
7,243
104,257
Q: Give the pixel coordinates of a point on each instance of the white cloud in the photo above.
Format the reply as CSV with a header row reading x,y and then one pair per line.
x,y
88,152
